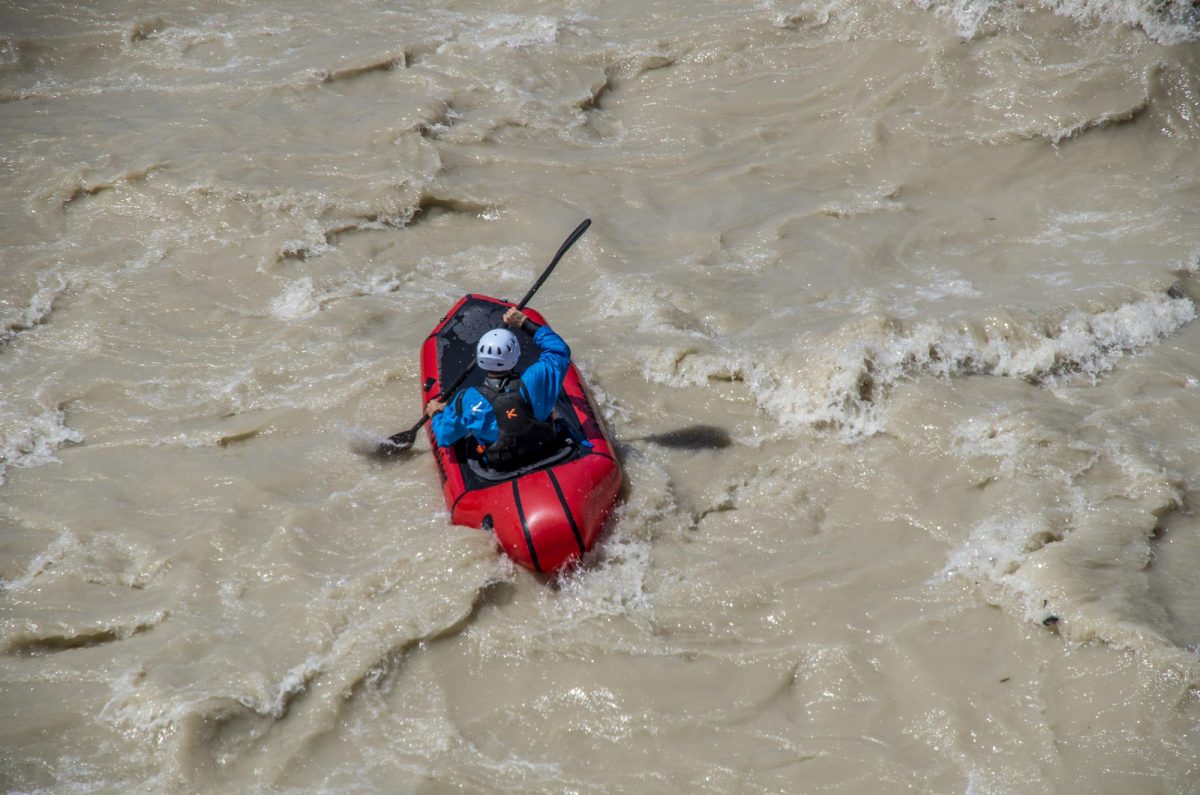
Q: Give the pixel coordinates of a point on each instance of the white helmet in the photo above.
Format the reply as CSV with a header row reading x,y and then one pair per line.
x,y
498,350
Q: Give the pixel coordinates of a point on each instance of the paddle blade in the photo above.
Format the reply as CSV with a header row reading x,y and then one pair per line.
x,y
693,437
397,444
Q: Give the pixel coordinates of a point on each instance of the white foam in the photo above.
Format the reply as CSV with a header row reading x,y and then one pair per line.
x,y
362,440
512,31
297,301
104,558
1166,22
611,409
1079,561
844,384
997,549
188,48
129,707
967,16
614,579
377,284
50,286
652,305
807,15
1069,228
947,285
59,548
34,440
274,701
316,237
144,708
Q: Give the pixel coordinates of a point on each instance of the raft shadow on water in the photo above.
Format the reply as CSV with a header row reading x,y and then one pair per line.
x,y
692,438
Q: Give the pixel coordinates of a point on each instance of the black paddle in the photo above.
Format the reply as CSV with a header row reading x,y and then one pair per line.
x,y
403,441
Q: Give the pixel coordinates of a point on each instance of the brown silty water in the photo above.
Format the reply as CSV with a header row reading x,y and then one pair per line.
x,y
931,265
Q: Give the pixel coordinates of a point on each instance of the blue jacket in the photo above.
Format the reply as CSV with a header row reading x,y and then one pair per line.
x,y
543,381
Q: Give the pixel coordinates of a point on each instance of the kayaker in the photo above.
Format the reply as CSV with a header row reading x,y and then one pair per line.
x,y
509,414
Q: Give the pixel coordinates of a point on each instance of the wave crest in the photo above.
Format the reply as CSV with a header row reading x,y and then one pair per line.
x,y
843,382
32,441
1164,21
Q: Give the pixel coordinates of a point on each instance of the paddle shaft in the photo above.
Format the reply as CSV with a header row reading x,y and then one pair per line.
x,y
570,241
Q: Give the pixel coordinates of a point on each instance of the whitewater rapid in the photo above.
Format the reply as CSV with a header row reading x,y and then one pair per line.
x,y
934,267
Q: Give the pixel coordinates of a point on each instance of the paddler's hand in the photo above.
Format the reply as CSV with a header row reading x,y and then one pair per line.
x,y
434,406
514,317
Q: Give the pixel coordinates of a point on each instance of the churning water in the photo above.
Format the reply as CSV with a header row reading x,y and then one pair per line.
x,y
931,266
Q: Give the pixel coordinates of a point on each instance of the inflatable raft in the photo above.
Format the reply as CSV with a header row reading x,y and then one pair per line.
x,y
547,514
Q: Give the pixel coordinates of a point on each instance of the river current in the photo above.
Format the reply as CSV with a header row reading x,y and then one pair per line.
x,y
933,265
